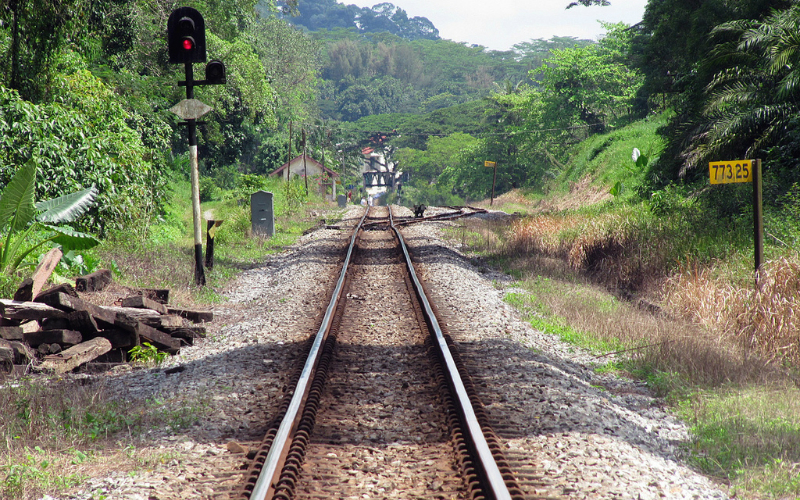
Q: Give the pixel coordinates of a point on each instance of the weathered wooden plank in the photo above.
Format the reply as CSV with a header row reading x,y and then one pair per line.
x,y
119,338
169,321
148,333
31,287
142,302
160,295
70,304
194,316
75,356
83,322
62,336
54,324
186,335
187,332
22,352
140,314
25,291
14,309
11,332
93,282
30,326
55,290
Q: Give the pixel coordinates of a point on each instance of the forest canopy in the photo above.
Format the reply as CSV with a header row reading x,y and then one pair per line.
x,y
91,78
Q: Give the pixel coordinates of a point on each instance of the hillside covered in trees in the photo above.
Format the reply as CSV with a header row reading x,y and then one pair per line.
x,y
86,89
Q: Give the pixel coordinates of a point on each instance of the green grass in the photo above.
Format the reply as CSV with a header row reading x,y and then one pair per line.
x,y
162,255
50,429
750,436
607,158
540,317
38,467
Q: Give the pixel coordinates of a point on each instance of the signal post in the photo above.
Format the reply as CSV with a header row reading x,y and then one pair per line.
x,y
186,42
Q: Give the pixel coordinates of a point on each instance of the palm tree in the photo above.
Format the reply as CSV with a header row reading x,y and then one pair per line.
x,y
753,100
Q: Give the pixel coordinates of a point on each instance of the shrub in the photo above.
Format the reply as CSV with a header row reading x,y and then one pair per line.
x,y
80,140
766,318
208,189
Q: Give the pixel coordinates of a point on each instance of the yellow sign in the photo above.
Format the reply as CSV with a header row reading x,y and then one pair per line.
x,y
728,172
490,164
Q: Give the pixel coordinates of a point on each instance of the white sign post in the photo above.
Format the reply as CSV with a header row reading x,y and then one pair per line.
x,y
190,110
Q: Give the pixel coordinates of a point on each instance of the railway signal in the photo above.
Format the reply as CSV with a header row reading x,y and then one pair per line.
x,y
186,36
186,44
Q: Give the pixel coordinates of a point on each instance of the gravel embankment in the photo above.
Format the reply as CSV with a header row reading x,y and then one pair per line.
x,y
591,435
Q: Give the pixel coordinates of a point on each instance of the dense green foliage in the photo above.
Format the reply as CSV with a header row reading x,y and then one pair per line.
x,y
680,59
333,78
381,18
81,140
382,73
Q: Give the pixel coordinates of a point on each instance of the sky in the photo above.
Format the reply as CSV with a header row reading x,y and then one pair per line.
x,y
499,24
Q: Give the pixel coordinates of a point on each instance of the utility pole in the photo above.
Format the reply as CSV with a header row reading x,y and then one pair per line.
x,y
199,272
289,161
305,169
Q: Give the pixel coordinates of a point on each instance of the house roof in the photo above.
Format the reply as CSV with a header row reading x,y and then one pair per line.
x,y
310,160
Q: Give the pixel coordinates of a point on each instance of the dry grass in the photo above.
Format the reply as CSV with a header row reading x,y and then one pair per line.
x,y
655,343
622,252
607,253
765,319
56,432
615,249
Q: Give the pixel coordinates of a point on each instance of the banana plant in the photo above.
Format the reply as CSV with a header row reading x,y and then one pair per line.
x,y
22,217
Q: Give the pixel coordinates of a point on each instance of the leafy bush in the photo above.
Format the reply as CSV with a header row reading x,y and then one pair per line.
x,y
19,212
147,353
81,139
208,189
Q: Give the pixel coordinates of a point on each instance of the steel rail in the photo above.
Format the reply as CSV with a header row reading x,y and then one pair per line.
x,y
275,457
445,216
491,472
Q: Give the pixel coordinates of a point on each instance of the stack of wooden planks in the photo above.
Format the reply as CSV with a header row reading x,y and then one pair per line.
x,y
58,331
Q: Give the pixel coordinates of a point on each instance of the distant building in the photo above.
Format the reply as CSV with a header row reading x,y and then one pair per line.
x,y
379,174
298,166
303,165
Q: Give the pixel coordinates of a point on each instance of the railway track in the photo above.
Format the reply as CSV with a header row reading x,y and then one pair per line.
x,y
380,391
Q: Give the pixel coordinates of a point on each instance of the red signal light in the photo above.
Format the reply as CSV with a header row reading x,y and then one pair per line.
x,y
186,36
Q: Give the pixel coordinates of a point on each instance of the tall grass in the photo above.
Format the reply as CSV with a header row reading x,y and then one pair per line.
x,y
623,249
765,318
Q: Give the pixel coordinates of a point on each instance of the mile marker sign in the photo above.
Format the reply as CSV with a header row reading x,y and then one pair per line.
x,y
729,172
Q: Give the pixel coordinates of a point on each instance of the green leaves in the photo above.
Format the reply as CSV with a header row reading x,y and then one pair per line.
x,y
16,204
81,140
18,213
66,208
70,239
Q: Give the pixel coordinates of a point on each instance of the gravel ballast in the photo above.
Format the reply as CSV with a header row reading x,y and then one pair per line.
x,y
591,435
